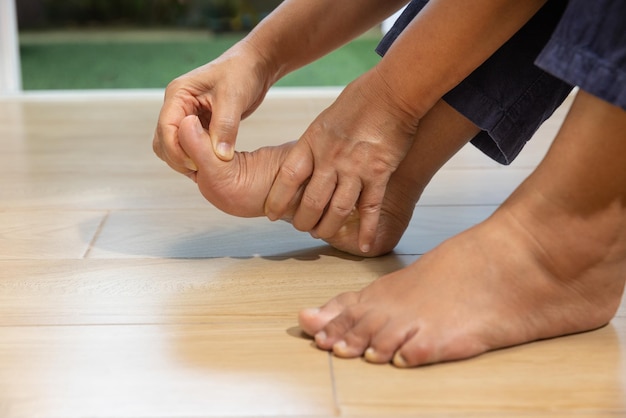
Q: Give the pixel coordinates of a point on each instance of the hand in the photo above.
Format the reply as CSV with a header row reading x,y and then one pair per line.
x,y
220,93
347,156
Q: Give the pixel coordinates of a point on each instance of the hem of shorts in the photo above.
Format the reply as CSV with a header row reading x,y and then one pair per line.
x,y
564,62
502,138
462,102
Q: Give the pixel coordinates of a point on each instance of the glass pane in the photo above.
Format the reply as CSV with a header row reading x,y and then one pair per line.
x,y
109,44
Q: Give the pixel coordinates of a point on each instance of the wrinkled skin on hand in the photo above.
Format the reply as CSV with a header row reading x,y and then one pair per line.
x,y
220,93
345,159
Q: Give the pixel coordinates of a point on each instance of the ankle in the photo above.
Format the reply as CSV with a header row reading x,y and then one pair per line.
x,y
585,252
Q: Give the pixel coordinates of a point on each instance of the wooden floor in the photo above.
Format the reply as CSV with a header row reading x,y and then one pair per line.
x,y
124,294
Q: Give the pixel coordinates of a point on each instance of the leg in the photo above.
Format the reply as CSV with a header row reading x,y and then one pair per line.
x,y
239,187
507,84
550,261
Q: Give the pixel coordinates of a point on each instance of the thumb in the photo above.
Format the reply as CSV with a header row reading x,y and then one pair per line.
x,y
223,131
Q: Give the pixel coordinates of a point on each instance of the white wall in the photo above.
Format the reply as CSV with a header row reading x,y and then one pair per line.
x,y
10,73
387,23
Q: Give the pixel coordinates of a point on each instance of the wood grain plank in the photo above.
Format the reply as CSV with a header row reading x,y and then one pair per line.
x,y
215,369
47,234
583,373
153,291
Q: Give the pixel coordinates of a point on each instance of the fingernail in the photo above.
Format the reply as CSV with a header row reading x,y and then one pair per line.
x,y
190,165
399,361
225,151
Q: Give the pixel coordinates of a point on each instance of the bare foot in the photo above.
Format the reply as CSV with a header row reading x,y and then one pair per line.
x,y
551,261
239,187
492,286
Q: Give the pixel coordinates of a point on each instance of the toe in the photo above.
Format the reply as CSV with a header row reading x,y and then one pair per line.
x,y
415,352
340,328
434,346
388,340
357,339
313,320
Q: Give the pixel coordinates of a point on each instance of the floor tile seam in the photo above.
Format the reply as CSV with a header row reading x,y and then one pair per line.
x,y
249,321
96,234
78,207
91,209
481,411
48,209
333,385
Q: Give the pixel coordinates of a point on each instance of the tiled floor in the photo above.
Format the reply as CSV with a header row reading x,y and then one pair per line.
x,y
124,294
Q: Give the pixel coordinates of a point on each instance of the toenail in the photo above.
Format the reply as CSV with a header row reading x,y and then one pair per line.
x,y
340,348
399,361
312,311
320,337
371,355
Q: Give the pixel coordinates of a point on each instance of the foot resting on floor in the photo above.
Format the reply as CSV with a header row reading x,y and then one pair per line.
x,y
550,261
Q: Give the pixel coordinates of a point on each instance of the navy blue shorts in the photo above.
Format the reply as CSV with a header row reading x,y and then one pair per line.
x,y
567,43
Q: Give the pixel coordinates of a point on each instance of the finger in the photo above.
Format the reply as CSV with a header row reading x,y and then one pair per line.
x,y
315,199
173,154
293,173
340,207
223,128
369,207
165,142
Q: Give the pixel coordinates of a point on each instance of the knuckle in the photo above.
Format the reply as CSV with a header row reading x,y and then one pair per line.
x,y
379,168
341,210
287,174
312,202
225,124
370,207
174,85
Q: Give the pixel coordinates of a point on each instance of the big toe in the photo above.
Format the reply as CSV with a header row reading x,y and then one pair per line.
x,y
195,141
313,320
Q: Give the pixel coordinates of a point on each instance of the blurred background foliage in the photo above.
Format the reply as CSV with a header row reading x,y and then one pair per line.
x,y
109,44
216,15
